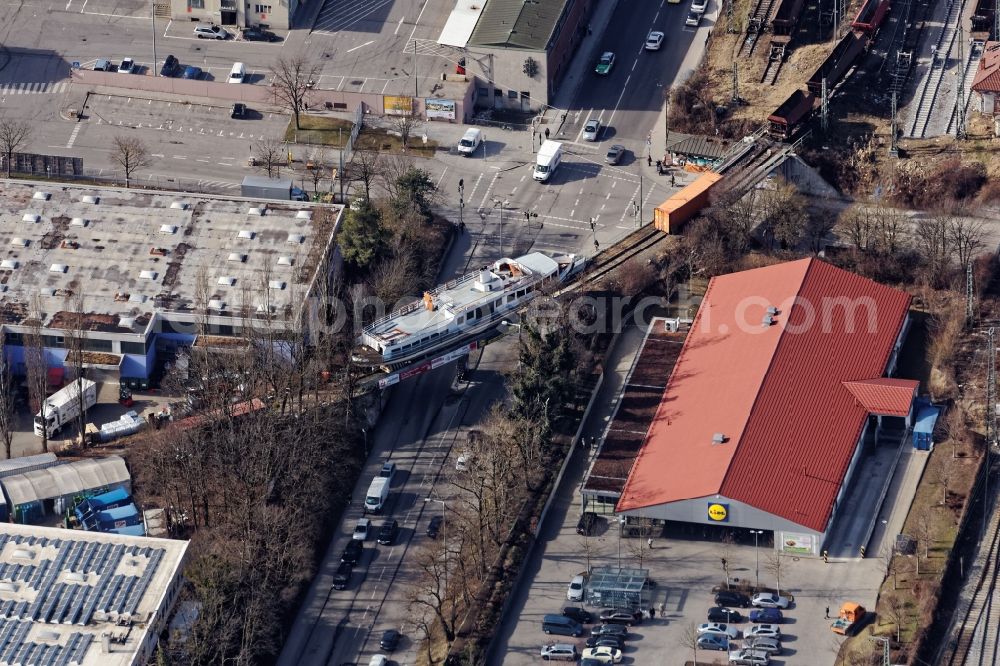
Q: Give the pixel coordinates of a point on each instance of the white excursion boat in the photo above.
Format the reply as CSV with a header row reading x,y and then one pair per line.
x,y
465,306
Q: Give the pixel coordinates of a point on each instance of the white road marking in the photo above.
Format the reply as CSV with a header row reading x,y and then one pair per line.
x,y
360,46
157,155
73,135
417,22
180,157
618,103
438,184
84,6
398,25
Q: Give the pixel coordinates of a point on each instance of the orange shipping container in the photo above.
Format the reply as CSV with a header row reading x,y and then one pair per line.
x,y
670,216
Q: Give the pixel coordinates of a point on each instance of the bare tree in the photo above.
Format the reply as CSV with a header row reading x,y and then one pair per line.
x,y
366,165
131,154
774,564
7,403
586,547
726,556
37,370
14,135
923,533
933,241
966,237
430,590
894,608
319,160
689,639
293,77
269,154
405,121
74,324
887,556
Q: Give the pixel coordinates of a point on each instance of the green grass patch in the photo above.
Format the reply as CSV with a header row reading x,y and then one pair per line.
x,y
379,139
318,130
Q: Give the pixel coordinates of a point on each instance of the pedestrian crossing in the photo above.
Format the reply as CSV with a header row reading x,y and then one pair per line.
x,y
35,88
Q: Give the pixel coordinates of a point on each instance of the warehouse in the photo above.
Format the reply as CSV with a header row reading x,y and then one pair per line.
x,y
782,386
34,495
86,598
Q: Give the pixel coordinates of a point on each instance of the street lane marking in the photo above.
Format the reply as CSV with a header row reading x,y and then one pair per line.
x,y
361,46
398,25
417,22
73,135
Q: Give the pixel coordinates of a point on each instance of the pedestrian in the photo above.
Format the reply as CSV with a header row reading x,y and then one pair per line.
x,y
828,612
649,543
663,607
546,132
652,612
672,181
589,31
649,160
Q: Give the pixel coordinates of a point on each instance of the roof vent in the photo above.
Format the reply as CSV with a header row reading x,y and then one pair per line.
x,y
91,199
276,284
137,298
767,321
179,205
31,218
9,264
304,215
147,275
23,554
168,228
126,322
296,239
217,304
19,242
78,222
257,211
227,281
7,586
285,261
236,256
772,311
246,234
50,636
41,196
58,268
718,438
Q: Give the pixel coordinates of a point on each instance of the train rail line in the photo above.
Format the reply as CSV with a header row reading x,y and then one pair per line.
x,y
756,24
629,247
940,54
771,71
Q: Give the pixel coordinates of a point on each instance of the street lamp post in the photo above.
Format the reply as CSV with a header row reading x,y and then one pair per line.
x,y
364,431
444,531
501,203
756,552
461,202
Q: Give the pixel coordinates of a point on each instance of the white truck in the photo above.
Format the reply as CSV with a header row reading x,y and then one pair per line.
x,y
547,161
378,493
63,406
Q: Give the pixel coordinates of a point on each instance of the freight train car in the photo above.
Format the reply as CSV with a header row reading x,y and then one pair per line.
x,y
871,15
838,63
789,117
786,17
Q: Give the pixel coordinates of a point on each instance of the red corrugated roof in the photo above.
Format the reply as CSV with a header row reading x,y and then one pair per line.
x,y
987,77
885,396
775,392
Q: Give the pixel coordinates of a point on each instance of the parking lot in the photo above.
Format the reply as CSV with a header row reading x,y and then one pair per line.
x,y
685,568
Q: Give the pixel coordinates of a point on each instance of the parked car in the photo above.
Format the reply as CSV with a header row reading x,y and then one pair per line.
x,y
768,600
693,19
605,63
654,40
713,642
257,34
769,630
390,640
617,616
591,129
587,523
102,66
603,653
619,630
239,110
191,72
578,614
732,599
747,657
766,615
378,660
699,6
559,652
127,66
615,154
462,464
388,471
574,592
767,644
361,529
387,533
352,553
723,614
591,662
210,32
342,576
170,66
434,527
719,628
608,640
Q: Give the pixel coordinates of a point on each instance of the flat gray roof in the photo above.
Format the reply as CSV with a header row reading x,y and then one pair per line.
x,y
65,479
130,253
519,24
61,589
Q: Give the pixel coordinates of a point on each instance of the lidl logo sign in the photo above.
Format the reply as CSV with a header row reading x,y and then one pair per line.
x,y
718,513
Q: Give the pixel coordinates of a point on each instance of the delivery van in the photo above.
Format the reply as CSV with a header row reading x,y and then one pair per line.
x,y
471,140
547,161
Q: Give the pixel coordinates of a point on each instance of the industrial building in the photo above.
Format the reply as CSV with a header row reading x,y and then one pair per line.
x,y
143,273
84,598
782,387
32,496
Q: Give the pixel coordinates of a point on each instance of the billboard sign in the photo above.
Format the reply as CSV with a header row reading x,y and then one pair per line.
x,y
798,544
439,108
397,106
718,513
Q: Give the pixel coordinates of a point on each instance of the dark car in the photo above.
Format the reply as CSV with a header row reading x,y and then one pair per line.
x,y
434,527
766,615
730,598
343,576
721,614
616,642
587,523
239,110
256,34
387,533
191,72
617,616
578,614
170,66
619,630
389,640
353,552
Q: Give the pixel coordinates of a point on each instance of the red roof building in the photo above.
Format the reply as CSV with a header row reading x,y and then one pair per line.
x,y
761,419
986,82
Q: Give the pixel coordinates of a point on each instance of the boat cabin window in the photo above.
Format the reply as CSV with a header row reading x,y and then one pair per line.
x,y
498,303
461,319
520,293
510,298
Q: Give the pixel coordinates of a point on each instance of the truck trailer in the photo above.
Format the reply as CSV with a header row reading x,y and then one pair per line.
x,y
63,406
262,187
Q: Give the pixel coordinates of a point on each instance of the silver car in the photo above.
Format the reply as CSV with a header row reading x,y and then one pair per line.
x,y
591,129
615,154
559,652
765,643
746,657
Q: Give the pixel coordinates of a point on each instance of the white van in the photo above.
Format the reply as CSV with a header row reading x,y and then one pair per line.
x,y
547,161
470,141
238,73
378,493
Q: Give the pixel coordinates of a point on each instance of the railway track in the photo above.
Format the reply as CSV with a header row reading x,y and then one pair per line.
x,y
939,62
635,243
771,71
756,25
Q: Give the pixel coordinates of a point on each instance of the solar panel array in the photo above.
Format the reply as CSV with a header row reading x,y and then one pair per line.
x,y
60,600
